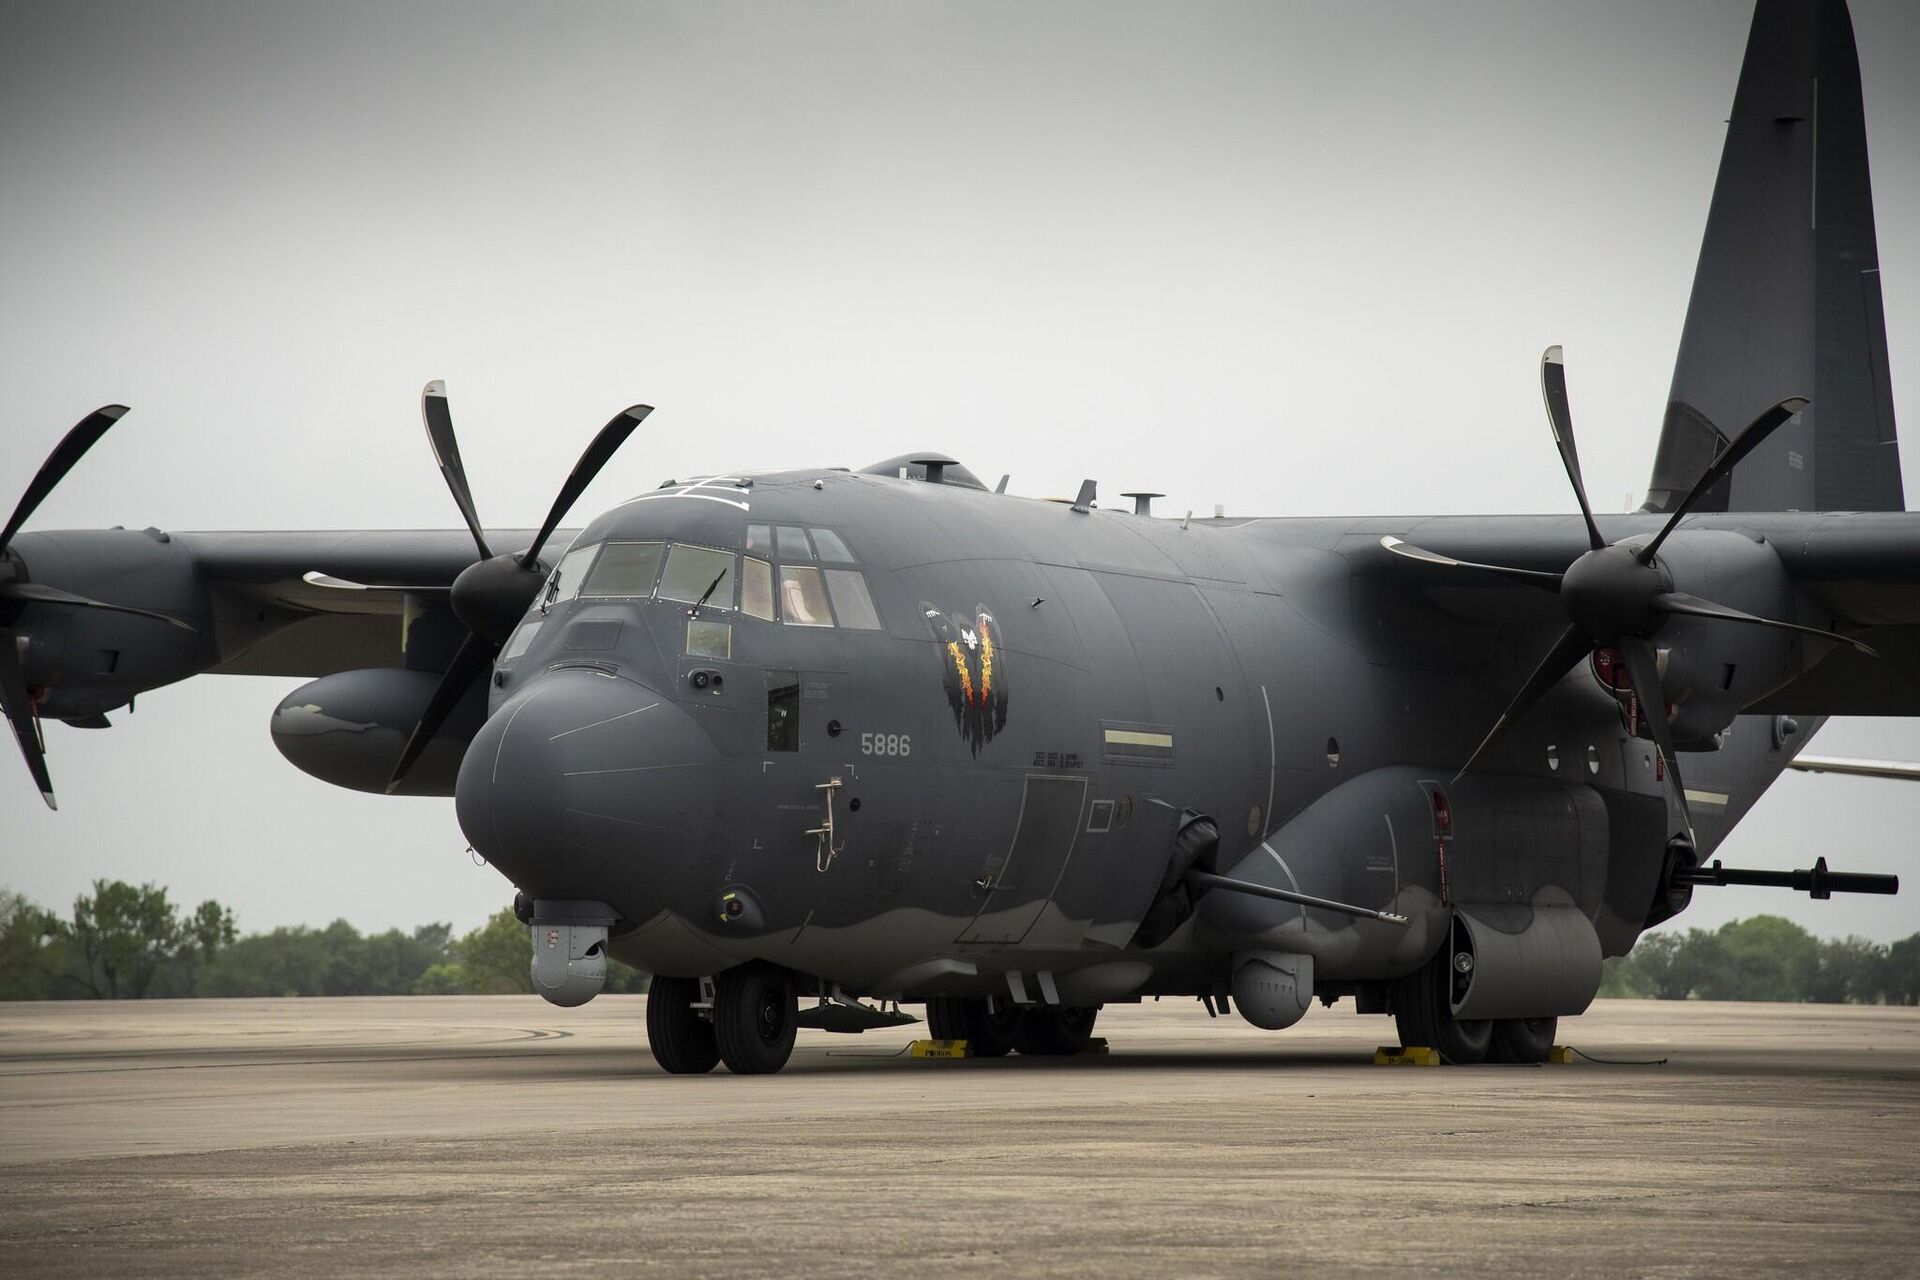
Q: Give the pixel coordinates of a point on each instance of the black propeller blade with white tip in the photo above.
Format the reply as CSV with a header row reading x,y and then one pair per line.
x,y
493,593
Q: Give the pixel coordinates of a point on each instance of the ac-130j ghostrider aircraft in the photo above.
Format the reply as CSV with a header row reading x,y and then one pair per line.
x,y
828,737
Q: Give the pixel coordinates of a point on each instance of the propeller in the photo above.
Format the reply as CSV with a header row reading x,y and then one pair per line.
x,y
1620,594
493,593
17,594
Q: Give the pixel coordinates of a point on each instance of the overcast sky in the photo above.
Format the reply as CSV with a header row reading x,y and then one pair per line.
x,y
1292,259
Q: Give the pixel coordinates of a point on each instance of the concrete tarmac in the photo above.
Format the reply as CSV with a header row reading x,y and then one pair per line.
x,y
464,1136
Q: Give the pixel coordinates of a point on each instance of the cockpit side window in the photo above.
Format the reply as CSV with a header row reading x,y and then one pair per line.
x,y
783,711
698,573
625,569
851,601
803,597
564,585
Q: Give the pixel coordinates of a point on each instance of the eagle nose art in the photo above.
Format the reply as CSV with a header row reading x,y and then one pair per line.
x,y
583,775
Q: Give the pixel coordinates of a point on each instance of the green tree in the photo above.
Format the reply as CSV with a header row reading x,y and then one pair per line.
x,y
33,949
1850,970
123,935
497,957
1899,978
1762,958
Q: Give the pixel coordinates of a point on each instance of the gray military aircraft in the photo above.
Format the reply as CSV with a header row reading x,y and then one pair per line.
x,y
846,739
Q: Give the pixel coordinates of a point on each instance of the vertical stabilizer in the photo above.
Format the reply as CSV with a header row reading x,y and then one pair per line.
x,y
1786,299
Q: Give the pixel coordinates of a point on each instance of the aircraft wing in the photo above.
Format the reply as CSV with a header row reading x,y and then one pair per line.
x,y
313,603
1896,769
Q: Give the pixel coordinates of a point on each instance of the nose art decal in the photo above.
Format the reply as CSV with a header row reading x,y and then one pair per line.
x,y
973,670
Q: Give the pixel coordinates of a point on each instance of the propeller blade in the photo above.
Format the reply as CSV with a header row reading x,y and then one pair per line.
x,y
1749,439
38,593
1695,607
1566,654
1643,669
72,447
1408,551
611,437
1553,389
470,663
18,704
446,451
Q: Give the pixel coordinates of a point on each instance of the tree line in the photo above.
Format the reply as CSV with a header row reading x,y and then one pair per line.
x,y
1766,958
127,942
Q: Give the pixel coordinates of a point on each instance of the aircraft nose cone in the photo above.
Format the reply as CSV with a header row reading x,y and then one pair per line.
x,y
588,786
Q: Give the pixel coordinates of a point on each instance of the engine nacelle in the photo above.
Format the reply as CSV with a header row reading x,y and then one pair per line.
x,y
1541,960
570,950
349,728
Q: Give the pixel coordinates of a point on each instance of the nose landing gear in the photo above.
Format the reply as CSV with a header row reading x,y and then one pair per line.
x,y
749,1024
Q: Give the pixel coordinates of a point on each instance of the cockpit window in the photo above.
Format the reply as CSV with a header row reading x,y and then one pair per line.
x,y
756,589
625,569
760,539
522,637
696,573
803,597
793,543
564,585
851,602
831,547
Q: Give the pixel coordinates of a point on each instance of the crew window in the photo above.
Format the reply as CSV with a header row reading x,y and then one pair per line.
x,y
851,603
565,583
831,547
709,639
803,597
760,538
756,589
783,711
521,638
625,569
793,543
691,571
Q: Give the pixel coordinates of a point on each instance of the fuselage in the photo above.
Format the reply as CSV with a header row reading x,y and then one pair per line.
x,y
918,735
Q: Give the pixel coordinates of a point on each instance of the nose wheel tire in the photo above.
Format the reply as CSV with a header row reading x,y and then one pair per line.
x,y
1522,1039
755,1017
989,1033
682,1040
1056,1033
1423,1014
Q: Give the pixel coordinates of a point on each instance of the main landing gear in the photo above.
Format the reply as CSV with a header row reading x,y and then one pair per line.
x,y
993,1031
749,1024
1423,1013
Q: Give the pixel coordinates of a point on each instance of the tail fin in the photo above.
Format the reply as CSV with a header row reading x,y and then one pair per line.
x,y
1786,299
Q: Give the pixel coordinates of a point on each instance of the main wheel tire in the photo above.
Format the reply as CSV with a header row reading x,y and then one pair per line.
x,y
1423,1014
989,1033
682,1041
755,1017
1056,1033
1522,1039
